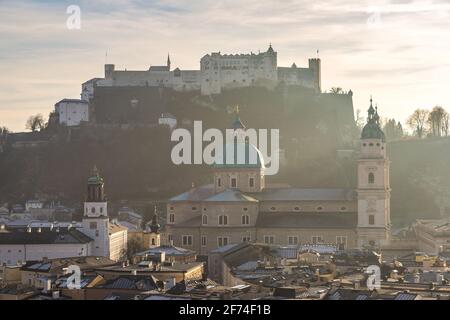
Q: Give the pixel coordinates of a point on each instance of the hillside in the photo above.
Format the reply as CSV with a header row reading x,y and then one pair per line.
x,y
133,153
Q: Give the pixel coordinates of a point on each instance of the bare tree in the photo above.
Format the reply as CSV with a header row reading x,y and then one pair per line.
x,y
417,121
35,123
360,121
445,123
435,120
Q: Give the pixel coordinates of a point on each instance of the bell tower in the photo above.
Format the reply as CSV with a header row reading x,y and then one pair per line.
x,y
154,236
95,219
374,218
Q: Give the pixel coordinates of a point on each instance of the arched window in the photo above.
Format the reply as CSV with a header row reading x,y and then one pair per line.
x,y
371,178
204,219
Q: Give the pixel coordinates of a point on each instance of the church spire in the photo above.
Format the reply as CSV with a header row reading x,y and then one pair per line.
x,y
168,61
154,226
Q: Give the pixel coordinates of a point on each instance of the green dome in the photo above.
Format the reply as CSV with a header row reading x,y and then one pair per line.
x,y
95,178
373,131
253,157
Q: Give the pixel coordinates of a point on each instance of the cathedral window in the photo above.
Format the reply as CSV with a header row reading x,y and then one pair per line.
x,y
317,239
269,239
204,219
371,178
187,240
292,240
222,241
223,220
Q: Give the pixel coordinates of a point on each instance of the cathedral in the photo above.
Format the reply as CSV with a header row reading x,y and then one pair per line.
x,y
239,206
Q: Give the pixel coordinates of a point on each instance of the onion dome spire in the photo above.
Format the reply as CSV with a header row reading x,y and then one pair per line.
x,y
372,129
154,226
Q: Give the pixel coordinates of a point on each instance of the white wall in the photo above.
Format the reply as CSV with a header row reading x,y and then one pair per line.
x,y
13,253
72,112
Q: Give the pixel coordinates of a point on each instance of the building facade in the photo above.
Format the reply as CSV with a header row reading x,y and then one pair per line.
x,y
240,206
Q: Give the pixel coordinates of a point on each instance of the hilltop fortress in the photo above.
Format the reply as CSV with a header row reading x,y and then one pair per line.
x,y
217,72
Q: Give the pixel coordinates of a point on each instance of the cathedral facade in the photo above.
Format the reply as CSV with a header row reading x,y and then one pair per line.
x,y
239,206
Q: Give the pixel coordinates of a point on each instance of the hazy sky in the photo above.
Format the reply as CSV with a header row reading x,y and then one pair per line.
x,y
396,50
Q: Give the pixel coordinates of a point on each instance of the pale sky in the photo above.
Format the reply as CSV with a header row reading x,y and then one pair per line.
x,y
396,50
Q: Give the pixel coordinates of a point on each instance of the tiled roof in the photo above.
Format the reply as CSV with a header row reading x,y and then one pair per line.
x,y
55,265
306,194
230,195
326,220
65,236
195,194
169,251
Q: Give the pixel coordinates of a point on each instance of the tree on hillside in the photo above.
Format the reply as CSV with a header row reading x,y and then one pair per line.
x,y
435,121
393,130
445,123
3,137
35,123
417,122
